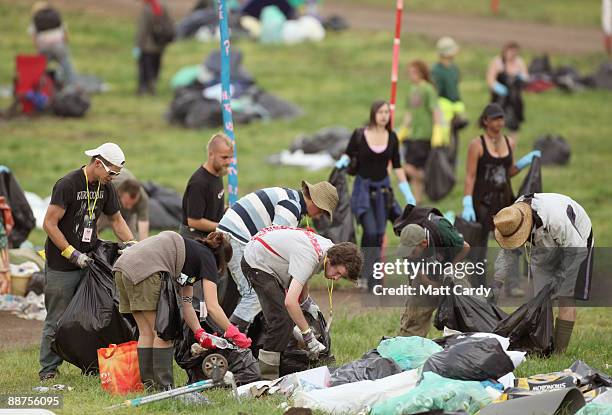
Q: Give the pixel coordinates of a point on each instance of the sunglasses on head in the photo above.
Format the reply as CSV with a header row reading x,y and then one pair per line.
x,y
108,170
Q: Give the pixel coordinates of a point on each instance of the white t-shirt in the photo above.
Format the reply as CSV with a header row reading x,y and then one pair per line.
x,y
287,253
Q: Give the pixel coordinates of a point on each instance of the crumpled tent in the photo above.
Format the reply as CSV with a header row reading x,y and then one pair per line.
x,y
22,213
198,104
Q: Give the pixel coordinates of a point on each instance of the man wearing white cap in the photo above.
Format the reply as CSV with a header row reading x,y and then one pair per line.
x,y
558,238
77,201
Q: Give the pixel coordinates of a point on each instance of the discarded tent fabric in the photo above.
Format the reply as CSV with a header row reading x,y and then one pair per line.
x,y
371,366
165,206
533,180
342,228
358,397
20,208
594,408
332,140
472,359
565,401
92,319
468,314
530,327
555,149
408,352
435,392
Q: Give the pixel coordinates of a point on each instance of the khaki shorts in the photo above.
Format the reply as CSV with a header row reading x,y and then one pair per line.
x,y
138,297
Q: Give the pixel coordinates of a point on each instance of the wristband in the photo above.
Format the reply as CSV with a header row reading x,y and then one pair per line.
x,y
305,332
67,253
131,241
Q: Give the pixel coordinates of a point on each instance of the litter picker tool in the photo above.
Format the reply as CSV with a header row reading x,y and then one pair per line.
x,y
214,364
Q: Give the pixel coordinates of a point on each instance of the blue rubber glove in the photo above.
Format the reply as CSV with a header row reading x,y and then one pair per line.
x,y
343,162
136,52
468,209
405,189
527,159
500,89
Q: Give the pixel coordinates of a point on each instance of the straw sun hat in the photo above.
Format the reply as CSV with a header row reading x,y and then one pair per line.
x,y
513,225
324,195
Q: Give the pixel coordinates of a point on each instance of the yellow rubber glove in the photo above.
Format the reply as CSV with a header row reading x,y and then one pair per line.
x,y
437,139
403,133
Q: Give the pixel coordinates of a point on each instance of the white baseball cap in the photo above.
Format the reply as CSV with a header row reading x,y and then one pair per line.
x,y
110,152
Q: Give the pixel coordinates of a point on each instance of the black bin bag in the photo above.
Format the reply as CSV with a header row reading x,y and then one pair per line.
x,y
92,319
467,314
240,362
168,319
530,327
371,366
533,181
471,231
471,359
439,174
342,227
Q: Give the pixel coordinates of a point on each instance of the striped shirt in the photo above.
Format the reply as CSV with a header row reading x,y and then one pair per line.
x,y
263,208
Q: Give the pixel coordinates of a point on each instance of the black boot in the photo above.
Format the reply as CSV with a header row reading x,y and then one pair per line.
x,y
563,333
162,368
145,364
242,325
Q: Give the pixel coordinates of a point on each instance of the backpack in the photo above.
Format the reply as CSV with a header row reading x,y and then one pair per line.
x,y
163,29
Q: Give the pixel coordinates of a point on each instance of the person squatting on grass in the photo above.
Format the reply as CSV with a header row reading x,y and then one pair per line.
x,y
134,202
434,239
258,210
77,202
489,167
557,236
369,152
278,262
138,276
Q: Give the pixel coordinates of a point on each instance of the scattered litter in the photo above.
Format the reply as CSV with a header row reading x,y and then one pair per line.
x,y
58,387
30,307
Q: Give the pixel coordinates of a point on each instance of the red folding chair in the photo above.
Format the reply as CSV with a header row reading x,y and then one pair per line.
x,y
31,76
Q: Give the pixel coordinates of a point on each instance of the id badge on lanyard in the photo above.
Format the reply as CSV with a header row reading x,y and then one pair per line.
x,y
88,227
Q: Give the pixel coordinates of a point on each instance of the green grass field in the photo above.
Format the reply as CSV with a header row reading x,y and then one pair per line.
x,y
334,82
561,12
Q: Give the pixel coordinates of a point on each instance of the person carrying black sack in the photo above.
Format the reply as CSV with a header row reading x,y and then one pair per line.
x,y
77,202
432,238
490,165
506,76
557,235
138,277
372,149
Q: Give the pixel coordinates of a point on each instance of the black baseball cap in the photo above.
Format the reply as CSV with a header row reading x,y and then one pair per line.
x,y
492,111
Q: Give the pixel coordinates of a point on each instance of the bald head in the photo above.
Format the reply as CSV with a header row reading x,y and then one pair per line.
x,y
220,154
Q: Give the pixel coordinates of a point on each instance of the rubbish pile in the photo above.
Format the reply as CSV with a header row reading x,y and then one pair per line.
x,y
272,22
314,152
30,307
197,96
469,373
542,77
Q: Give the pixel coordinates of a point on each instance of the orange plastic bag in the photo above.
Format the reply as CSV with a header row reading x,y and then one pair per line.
x,y
119,371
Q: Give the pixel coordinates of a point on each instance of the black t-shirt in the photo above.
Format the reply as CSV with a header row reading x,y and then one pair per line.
x,y
200,263
372,165
204,197
70,192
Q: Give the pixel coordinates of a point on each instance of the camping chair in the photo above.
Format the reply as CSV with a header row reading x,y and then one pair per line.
x,y
31,85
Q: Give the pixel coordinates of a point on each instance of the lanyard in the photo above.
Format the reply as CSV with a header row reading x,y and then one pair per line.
x,y
91,209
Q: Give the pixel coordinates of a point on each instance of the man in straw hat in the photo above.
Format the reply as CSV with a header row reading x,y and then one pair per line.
x,y
77,201
558,238
278,262
258,210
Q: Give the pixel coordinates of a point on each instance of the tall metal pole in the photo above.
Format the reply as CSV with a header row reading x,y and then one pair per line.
x,y
228,123
396,49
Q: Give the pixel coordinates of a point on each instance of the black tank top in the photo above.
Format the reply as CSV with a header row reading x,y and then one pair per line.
x,y
492,189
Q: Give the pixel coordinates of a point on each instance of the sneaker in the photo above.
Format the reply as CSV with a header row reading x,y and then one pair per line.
x,y
516,292
46,377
